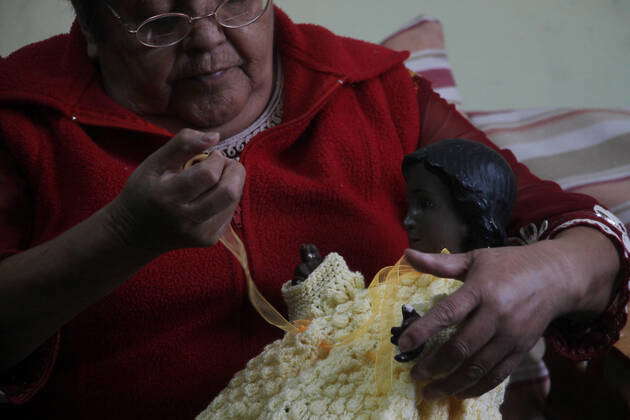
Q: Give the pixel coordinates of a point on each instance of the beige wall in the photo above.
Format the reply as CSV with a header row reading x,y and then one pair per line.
x,y
506,53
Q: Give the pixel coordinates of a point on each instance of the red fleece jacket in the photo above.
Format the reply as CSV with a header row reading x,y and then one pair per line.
x,y
164,343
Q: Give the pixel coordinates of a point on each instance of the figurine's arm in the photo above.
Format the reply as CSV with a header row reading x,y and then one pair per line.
x,y
311,259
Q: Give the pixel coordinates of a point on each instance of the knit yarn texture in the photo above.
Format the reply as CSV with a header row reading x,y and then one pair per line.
x,y
309,375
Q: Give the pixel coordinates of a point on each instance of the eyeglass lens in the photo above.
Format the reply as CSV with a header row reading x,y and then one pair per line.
x,y
172,28
164,30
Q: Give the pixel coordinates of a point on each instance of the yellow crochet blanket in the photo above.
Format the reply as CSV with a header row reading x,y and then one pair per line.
x,y
310,375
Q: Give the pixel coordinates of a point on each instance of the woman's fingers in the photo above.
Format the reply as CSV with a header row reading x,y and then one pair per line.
x,y
511,293
180,149
472,335
473,371
164,206
493,378
190,184
225,182
453,266
447,312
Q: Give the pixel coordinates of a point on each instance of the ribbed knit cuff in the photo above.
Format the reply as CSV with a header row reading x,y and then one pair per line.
x,y
586,340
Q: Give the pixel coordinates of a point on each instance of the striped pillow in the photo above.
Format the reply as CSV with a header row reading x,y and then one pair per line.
x,y
424,39
583,150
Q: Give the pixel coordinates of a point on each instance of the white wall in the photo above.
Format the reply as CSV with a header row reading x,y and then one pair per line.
x,y
506,53
26,21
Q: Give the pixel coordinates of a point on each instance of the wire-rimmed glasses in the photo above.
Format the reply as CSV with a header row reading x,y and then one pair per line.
x,y
167,29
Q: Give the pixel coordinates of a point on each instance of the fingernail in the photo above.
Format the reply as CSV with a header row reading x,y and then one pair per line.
x,y
404,357
405,344
212,137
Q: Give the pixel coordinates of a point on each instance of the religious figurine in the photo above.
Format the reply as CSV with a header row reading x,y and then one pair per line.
x,y
341,362
460,196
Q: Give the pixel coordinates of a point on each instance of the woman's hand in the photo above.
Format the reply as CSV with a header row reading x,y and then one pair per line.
x,y
509,297
165,207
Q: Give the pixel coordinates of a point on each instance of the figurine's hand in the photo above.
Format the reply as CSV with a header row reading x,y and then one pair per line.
x,y
311,259
409,315
164,206
509,297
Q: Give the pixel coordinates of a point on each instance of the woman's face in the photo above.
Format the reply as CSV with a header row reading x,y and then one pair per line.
x,y
216,79
432,223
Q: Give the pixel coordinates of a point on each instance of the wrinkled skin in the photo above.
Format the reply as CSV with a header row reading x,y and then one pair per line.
x,y
509,297
163,207
213,84
502,312
216,79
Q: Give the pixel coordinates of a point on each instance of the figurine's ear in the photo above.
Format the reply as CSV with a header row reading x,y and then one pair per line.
x,y
92,45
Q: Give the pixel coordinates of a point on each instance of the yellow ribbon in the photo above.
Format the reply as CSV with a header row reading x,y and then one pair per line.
x,y
234,244
381,291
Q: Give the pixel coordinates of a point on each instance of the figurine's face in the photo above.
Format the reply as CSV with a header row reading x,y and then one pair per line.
x,y
432,223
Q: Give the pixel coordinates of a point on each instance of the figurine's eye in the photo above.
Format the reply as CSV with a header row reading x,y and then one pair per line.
x,y
425,203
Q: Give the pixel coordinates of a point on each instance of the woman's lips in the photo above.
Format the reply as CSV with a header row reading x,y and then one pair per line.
x,y
204,75
211,75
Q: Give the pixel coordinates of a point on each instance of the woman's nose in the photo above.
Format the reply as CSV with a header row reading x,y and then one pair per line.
x,y
204,34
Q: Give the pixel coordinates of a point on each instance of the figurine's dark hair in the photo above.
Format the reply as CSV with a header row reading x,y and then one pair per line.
x,y
481,182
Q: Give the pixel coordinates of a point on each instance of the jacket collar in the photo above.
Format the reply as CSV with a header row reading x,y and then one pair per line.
x,y
57,73
319,49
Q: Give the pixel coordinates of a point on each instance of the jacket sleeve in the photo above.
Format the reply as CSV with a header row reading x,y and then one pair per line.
x,y
542,210
22,381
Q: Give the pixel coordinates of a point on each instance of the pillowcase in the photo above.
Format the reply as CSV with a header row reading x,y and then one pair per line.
x,y
584,150
424,39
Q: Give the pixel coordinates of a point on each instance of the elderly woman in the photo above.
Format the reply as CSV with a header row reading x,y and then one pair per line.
x,y
116,301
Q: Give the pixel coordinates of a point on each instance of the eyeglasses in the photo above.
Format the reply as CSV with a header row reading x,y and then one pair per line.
x,y
167,29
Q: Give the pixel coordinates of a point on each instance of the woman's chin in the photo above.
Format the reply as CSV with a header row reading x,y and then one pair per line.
x,y
205,110
206,116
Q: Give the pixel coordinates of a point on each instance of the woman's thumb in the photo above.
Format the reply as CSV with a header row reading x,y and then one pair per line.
x,y
453,266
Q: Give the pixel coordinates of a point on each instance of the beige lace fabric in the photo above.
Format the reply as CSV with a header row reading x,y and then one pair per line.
x,y
308,376
330,284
